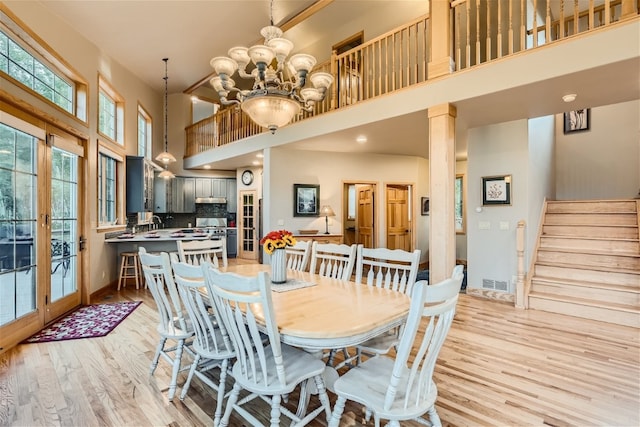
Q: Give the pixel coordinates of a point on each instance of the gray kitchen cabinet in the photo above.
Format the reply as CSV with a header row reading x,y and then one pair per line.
x,y
211,187
232,197
204,187
183,195
160,196
139,182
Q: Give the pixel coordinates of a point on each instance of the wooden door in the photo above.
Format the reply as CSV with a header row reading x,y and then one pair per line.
x,y
398,226
365,225
248,225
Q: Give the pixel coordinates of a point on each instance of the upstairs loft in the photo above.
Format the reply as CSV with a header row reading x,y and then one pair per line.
x,y
495,38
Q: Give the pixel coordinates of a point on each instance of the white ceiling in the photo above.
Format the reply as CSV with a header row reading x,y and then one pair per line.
x,y
138,34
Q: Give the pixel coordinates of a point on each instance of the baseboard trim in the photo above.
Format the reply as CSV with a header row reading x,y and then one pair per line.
x,y
103,291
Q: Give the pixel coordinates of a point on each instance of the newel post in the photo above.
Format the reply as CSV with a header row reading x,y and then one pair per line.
x,y
629,9
520,303
334,72
440,61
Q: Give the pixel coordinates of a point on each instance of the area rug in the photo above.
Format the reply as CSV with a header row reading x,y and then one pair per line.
x,y
87,322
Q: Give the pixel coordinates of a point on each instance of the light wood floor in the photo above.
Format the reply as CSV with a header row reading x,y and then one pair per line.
x,y
499,367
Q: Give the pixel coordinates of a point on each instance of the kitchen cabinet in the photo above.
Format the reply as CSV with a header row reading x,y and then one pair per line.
x,y
183,195
232,196
160,195
211,187
139,175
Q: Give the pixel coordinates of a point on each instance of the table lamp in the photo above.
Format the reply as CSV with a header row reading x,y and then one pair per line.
x,y
327,212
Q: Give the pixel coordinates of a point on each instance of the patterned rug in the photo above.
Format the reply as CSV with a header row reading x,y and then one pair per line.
x,y
86,322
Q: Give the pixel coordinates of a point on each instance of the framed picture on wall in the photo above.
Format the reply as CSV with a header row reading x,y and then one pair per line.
x,y
577,120
306,200
496,190
424,203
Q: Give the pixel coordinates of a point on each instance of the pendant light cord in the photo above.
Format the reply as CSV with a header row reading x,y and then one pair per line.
x,y
166,102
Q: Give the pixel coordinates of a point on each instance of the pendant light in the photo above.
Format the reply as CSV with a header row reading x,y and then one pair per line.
x,y
166,157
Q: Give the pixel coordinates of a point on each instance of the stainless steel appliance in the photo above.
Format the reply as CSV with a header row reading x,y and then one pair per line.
x,y
217,227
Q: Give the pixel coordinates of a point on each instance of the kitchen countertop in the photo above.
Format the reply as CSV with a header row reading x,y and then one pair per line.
x,y
163,235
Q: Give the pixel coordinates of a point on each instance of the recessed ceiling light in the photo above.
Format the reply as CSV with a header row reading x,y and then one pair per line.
x,y
255,163
569,97
259,155
361,139
207,166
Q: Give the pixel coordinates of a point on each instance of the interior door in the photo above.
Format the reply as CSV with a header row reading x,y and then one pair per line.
x,y
39,229
247,225
398,221
365,224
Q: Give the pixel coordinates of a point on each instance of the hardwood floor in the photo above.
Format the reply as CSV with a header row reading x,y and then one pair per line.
x,y
499,367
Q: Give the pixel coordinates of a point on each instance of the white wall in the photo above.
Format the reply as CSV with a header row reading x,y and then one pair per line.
x,y
603,162
284,167
495,150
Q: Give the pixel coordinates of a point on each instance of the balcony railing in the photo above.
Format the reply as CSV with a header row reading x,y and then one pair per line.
x,y
482,31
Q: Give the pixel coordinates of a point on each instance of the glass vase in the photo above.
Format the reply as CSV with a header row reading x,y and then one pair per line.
x,y
279,266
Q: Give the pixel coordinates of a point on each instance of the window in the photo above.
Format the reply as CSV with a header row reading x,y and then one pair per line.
x,y
459,204
110,112
144,133
35,68
351,202
109,164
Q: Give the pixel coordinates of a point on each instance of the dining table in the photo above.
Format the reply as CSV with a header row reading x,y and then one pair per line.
x,y
320,313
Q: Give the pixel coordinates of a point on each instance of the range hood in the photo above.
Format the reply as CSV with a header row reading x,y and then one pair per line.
x,y
211,200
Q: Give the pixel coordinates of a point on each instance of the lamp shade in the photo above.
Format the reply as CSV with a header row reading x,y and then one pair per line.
x,y
166,157
166,174
271,111
327,211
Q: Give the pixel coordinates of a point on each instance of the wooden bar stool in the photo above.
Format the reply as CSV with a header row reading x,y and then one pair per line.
x,y
129,269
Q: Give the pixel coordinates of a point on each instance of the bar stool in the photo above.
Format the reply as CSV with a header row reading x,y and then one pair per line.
x,y
129,268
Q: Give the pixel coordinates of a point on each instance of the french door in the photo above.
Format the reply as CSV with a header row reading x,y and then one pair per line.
x,y
248,223
39,227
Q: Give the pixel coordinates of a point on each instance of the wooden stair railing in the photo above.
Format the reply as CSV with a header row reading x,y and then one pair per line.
x,y
587,261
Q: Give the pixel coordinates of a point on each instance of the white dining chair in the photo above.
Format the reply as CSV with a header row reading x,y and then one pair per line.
x,y
402,388
211,343
298,255
390,269
265,368
173,326
333,260
197,252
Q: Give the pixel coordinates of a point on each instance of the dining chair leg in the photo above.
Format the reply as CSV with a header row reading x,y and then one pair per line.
x,y
322,395
433,417
156,357
275,410
176,369
221,385
338,409
192,371
233,398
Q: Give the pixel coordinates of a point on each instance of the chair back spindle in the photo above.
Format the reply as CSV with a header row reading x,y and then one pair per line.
x,y
333,260
390,269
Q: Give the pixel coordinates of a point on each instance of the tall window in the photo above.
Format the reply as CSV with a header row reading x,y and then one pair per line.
x,y
108,166
38,69
144,133
459,204
110,112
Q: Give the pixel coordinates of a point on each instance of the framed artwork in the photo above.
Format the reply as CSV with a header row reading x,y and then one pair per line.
x,y
577,120
496,190
424,206
306,200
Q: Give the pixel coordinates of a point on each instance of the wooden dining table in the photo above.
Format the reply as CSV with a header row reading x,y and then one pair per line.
x,y
331,314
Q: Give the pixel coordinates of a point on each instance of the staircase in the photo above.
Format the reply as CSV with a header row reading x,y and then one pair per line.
x,y
587,261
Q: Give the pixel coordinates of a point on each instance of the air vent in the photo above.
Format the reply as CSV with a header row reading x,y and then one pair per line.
x,y
498,285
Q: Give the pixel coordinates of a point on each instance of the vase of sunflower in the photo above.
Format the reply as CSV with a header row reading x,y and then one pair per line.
x,y
274,244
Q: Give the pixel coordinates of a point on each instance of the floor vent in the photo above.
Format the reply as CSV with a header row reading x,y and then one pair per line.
x,y
498,285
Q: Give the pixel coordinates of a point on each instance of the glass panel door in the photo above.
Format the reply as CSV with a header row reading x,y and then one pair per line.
x,y
18,220
247,222
64,224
